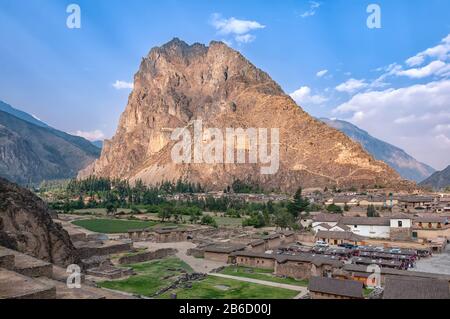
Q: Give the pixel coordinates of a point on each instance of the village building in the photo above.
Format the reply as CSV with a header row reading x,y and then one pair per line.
x,y
330,288
221,252
371,227
417,203
395,227
172,235
272,241
339,237
253,259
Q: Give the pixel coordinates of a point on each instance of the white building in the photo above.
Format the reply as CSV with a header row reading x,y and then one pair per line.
x,y
370,227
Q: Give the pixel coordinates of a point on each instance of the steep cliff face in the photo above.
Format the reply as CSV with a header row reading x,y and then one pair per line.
x,y
26,226
178,83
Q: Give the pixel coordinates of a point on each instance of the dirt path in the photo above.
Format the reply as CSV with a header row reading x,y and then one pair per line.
x,y
302,290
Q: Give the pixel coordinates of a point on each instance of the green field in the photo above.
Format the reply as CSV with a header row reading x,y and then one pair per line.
x,y
261,274
112,226
150,277
221,288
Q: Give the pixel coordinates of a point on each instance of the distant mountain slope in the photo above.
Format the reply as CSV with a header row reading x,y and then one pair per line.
x,y
21,115
438,180
407,166
32,153
79,141
99,144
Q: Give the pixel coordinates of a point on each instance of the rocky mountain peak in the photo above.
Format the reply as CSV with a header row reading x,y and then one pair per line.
x,y
178,83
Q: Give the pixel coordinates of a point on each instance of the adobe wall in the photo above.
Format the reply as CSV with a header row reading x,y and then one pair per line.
x,y
147,256
294,270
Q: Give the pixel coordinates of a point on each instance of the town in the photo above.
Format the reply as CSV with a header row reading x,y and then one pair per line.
x,y
376,244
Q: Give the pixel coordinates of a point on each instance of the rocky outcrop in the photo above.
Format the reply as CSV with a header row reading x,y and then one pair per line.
x,y
178,83
26,226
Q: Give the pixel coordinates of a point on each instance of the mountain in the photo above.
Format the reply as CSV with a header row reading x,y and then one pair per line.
x,y
179,83
406,165
26,226
438,180
98,144
32,153
21,115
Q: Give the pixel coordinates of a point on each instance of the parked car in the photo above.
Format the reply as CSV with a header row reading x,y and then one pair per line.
x,y
320,243
348,246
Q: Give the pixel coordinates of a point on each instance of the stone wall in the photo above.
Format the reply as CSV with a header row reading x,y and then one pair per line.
x,y
305,238
147,256
87,251
255,262
196,252
220,257
45,270
298,271
400,234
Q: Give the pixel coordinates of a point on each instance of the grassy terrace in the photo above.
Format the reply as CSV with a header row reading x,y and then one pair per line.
x,y
153,276
261,274
221,288
113,226
150,277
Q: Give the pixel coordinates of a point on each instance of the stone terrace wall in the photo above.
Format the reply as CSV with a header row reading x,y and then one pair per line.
x,y
147,256
296,271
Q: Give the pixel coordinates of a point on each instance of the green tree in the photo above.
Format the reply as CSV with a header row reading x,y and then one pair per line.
x,y
283,219
165,213
334,209
299,204
208,220
111,209
372,212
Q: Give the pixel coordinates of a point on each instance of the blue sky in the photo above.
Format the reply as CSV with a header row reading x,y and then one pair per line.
x,y
321,52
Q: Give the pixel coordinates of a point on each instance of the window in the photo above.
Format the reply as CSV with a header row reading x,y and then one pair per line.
x,y
356,226
400,224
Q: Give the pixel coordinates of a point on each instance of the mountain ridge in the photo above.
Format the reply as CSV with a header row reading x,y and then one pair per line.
x,y
406,165
31,154
439,180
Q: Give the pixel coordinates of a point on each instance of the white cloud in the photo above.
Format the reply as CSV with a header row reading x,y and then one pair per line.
x,y
303,96
441,52
245,38
434,68
321,73
351,86
96,135
239,29
415,118
313,6
234,26
121,85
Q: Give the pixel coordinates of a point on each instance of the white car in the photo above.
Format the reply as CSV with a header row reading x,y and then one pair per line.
x,y
320,243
